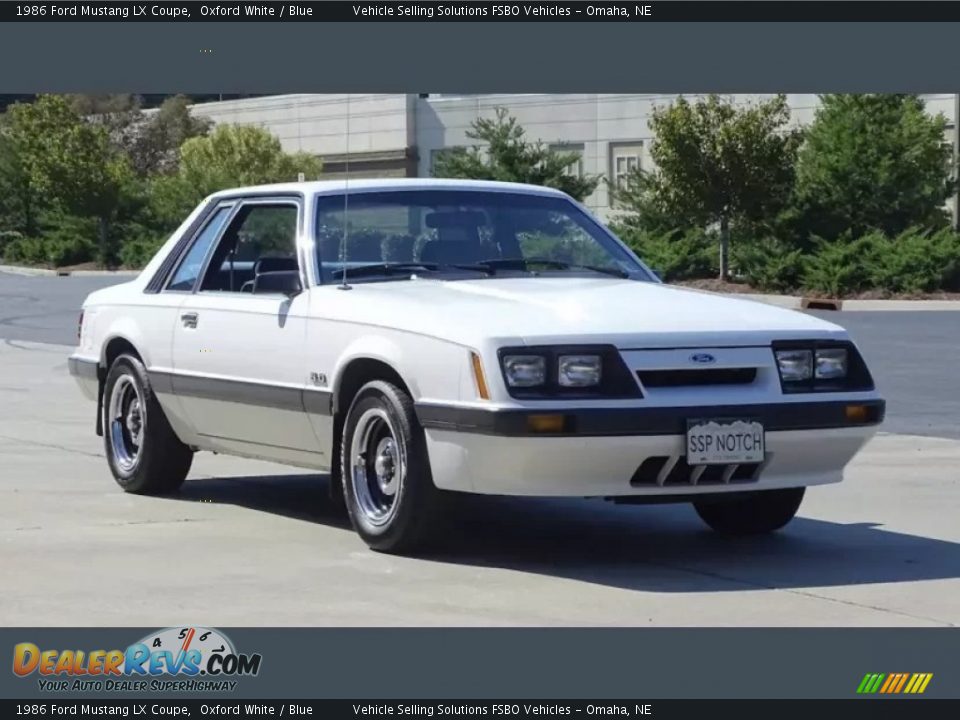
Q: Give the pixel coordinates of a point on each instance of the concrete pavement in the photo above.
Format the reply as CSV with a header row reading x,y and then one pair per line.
x,y
249,543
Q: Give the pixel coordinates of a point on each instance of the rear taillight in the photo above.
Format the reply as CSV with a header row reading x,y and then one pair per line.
x,y
80,327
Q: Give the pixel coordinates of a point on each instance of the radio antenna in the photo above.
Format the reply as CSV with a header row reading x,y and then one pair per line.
x,y
346,208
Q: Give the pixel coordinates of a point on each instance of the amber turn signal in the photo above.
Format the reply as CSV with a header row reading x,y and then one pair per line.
x,y
479,377
545,423
857,413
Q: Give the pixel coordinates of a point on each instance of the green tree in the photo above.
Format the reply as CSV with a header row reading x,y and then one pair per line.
x,y
119,114
72,162
20,199
151,140
503,153
155,147
230,156
716,164
873,161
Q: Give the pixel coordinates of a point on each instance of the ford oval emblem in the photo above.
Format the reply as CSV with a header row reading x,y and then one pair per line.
x,y
702,358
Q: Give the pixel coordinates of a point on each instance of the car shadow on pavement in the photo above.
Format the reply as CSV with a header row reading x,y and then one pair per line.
x,y
299,496
656,548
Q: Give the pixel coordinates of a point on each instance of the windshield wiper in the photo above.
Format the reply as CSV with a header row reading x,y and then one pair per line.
x,y
493,264
393,268
488,267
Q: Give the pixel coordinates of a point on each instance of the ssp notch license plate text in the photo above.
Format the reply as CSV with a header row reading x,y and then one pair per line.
x,y
725,442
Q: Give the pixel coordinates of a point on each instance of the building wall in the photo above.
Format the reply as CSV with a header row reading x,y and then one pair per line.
x,y
380,138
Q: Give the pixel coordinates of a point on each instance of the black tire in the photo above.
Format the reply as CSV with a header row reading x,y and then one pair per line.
x,y
408,519
752,514
338,503
159,464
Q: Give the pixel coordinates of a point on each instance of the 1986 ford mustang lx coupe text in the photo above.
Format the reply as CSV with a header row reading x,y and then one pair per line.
x,y
415,337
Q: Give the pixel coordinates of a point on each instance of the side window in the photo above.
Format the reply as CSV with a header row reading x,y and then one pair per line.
x,y
192,263
261,238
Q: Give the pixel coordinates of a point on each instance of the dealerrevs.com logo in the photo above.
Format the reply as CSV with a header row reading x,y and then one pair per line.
x,y
174,659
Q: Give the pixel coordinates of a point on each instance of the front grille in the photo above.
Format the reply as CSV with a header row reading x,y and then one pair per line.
x,y
685,378
666,471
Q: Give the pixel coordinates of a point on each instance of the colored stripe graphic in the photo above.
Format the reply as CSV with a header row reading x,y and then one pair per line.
x,y
894,683
913,681
868,682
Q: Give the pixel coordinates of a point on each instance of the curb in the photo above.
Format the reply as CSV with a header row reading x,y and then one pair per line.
x,y
791,302
820,304
46,272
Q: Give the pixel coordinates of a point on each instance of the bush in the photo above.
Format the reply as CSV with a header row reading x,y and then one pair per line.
x,y
769,264
138,252
54,251
841,267
25,251
69,251
916,261
7,237
675,255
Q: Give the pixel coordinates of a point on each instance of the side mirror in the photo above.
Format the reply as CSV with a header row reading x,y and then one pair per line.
x,y
285,282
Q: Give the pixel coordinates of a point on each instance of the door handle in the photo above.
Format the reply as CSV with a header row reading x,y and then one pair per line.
x,y
189,320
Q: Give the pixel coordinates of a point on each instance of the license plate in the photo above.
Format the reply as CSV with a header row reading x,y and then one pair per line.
x,y
724,442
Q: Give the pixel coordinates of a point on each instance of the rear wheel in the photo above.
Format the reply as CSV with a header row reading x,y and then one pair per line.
x,y
753,514
389,492
144,454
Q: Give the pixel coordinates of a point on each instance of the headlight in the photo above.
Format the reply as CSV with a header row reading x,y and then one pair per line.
x,y
795,365
524,371
821,366
831,364
579,370
549,372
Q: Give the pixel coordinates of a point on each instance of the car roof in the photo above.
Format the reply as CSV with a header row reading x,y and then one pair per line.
x,y
316,187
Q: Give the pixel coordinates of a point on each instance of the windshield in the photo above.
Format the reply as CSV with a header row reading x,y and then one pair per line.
x,y
460,234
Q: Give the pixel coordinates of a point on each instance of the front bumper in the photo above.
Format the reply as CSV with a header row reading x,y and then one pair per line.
x,y
601,451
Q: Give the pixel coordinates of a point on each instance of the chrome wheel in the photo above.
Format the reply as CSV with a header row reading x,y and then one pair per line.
x,y
125,420
377,466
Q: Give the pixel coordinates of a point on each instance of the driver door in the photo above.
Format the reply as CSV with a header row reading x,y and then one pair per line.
x,y
239,356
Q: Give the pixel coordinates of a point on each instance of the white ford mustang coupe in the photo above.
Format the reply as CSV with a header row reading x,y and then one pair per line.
x,y
416,337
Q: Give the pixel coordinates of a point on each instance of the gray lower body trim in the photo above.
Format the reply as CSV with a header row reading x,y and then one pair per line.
x,y
316,402
87,369
604,422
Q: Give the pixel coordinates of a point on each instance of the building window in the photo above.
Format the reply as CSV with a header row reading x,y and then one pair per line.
x,y
624,159
574,169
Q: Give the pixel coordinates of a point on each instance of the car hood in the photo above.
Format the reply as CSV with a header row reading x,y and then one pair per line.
x,y
562,309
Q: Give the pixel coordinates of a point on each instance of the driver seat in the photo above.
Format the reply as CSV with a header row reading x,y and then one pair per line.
x,y
269,264
454,246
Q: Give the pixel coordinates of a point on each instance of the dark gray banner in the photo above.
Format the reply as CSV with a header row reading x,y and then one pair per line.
x,y
317,663
467,57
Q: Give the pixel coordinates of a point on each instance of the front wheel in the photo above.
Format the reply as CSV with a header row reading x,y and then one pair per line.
x,y
754,514
144,454
389,492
